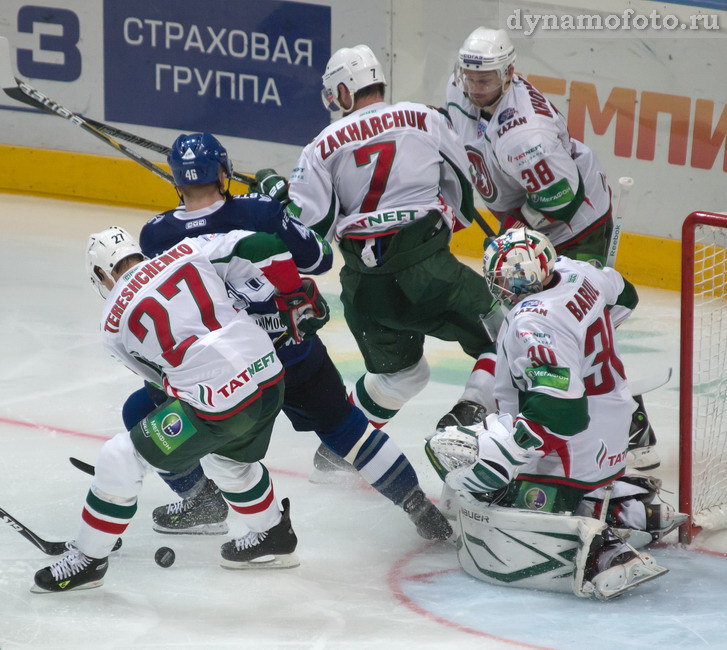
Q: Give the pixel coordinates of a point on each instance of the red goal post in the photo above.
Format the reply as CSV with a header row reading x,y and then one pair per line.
x,y
703,374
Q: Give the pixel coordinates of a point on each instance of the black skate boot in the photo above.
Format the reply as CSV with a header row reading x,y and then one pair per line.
x,y
430,523
331,468
203,514
271,549
463,414
641,454
73,571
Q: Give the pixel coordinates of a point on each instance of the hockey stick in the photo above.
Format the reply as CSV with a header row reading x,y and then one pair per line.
x,y
647,384
24,93
126,136
83,466
480,220
625,184
49,548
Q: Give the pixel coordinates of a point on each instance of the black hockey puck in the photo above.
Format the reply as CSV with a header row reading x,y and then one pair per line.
x,y
164,557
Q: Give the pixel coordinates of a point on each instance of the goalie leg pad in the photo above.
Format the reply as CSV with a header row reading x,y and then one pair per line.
x,y
525,548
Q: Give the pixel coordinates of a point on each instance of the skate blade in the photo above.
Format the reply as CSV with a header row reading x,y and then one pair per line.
x,y
288,561
636,583
335,477
35,589
635,538
202,529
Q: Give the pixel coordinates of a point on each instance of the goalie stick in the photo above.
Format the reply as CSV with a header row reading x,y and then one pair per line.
x,y
625,184
24,93
49,548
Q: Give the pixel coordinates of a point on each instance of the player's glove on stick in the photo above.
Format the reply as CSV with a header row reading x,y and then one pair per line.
x,y
303,311
268,181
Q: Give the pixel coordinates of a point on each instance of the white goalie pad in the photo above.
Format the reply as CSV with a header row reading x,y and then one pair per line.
x,y
524,548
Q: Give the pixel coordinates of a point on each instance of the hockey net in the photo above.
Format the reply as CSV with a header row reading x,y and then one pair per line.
x,y
703,373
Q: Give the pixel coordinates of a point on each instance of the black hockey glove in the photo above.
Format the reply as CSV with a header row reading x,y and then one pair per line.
x,y
268,181
304,311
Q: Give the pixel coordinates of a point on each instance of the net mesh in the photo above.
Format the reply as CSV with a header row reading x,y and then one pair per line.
x,y
709,388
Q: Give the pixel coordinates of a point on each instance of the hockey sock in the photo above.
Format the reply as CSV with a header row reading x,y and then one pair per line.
x,y
104,518
381,395
374,412
253,497
383,465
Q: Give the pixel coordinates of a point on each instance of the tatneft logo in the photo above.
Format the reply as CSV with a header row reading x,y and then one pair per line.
x,y
628,21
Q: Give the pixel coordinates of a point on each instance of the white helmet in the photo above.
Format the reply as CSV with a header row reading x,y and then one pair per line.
x,y
105,250
356,68
517,264
487,49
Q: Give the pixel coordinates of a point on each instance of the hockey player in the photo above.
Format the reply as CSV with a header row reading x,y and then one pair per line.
x,y
529,171
558,444
315,397
170,320
389,183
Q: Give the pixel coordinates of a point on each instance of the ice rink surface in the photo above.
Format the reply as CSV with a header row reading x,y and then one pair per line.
x,y
366,580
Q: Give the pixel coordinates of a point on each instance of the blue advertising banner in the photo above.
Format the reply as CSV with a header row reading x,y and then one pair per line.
x,y
245,68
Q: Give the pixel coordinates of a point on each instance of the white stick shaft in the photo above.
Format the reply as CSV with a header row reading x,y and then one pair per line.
x,y
624,184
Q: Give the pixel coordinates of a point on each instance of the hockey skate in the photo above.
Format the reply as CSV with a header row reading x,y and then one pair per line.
x,y
661,519
641,454
628,570
463,414
430,523
271,549
331,468
203,514
73,571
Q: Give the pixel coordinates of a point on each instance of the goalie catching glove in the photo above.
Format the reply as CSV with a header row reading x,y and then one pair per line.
x,y
304,311
268,181
483,458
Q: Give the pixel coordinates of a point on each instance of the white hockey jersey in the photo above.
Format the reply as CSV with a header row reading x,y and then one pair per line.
x,y
380,168
524,159
170,320
560,343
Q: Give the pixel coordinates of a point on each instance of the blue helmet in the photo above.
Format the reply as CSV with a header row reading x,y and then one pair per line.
x,y
196,158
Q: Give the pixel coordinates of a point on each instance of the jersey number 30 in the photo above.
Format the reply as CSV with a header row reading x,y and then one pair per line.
x,y
605,361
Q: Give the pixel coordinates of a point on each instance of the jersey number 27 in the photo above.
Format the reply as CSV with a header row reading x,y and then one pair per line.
x,y
172,351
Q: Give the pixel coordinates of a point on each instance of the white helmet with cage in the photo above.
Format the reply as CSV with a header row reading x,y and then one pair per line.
x,y
104,251
517,264
487,49
356,68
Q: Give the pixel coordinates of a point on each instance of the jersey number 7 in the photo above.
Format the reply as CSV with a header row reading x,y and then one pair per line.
x,y
384,153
